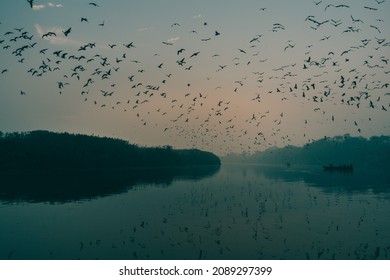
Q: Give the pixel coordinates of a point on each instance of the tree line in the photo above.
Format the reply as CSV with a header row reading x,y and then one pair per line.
x,y
358,151
59,150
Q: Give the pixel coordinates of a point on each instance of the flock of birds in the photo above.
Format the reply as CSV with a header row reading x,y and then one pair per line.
x,y
180,91
209,116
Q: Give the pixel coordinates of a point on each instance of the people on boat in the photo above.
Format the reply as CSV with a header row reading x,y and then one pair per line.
x,y
339,167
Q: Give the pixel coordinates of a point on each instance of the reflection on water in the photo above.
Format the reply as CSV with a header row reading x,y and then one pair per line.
x,y
62,185
359,180
241,212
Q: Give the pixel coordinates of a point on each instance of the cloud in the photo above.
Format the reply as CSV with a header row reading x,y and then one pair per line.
x,y
38,7
174,39
50,4
54,5
197,16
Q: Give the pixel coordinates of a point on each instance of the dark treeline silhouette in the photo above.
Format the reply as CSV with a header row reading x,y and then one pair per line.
x,y
357,151
43,166
63,150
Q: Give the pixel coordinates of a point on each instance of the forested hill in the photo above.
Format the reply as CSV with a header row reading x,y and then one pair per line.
x,y
359,151
58,150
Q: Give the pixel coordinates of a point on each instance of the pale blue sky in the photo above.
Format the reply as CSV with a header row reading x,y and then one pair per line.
x,y
246,106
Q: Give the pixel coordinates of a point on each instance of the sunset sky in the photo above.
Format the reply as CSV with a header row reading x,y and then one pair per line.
x,y
224,76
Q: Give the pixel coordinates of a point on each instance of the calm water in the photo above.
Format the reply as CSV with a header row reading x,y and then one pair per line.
x,y
235,212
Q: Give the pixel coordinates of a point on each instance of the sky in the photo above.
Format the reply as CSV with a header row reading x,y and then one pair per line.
x,y
222,76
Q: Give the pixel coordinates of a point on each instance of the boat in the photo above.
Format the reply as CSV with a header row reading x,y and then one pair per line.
x,y
342,167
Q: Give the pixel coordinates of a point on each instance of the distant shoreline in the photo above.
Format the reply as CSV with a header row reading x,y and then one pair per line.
x,y
339,150
45,149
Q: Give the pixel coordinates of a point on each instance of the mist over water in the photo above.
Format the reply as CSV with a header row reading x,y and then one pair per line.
x,y
235,212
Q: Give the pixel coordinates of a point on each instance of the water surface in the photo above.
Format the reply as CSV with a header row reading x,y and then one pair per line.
x,y
235,212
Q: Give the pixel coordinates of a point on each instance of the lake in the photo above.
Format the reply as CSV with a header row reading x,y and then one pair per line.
x,y
228,212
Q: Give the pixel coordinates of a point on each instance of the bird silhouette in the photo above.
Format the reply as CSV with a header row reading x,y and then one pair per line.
x,y
370,8
49,34
194,54
67,31
180,51
31,2
356,20
221,67
376,28
130,45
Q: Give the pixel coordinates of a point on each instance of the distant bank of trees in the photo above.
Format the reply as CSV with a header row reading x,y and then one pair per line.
x,y
359,151
63,150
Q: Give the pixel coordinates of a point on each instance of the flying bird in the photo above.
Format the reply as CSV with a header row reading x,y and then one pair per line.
x,y
194,54
180,51
181,62
31,2
289,46
329,5
49,34
356,20
376,28
370,8
130,45
342,6
221,67
66,32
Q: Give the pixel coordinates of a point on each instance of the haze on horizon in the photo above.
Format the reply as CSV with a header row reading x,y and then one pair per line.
x,y
223,76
